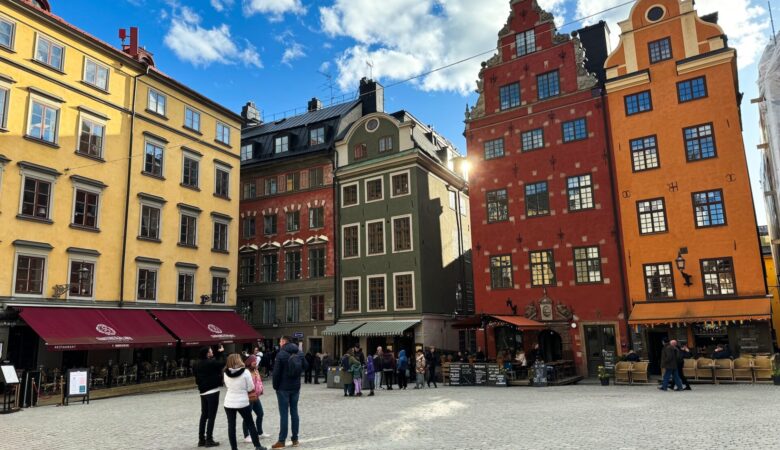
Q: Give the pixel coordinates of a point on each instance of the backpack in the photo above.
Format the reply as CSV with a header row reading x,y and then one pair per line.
x,y
295,365
345,365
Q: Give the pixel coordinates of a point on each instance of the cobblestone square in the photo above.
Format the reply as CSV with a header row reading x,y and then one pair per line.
x,y
583,416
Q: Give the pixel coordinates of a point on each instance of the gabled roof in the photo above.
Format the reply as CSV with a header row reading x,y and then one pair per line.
x,y
301,120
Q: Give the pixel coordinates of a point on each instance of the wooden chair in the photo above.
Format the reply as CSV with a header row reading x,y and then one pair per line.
x,y
623,372
743,369
639,372
689,368
724,369
762,368
704,369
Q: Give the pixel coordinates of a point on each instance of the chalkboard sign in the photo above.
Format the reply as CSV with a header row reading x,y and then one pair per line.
x,y
479,374
494,375
454,374
609,360
539,371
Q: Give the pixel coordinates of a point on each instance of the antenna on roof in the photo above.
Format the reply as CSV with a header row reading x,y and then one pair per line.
x,y
370,65
772,20
329,84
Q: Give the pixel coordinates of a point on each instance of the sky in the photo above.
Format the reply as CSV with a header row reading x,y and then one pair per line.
x,y
281,53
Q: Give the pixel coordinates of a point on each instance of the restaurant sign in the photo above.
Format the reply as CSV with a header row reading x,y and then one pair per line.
x,y
109,335
218,334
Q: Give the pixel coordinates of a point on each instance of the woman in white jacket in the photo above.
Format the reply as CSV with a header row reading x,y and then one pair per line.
x,y
239,388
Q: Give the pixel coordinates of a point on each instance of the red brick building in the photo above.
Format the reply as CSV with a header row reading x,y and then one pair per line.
x,y
542,209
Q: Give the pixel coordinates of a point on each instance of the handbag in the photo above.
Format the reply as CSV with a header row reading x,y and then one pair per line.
x,y
252,396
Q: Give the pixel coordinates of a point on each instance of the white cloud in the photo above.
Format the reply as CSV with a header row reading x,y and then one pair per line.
x,y
221,5
201,46
275,9
556,8
291,53
325,66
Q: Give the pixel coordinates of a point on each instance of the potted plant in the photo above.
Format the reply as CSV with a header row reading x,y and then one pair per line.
x,y
603,375
776,374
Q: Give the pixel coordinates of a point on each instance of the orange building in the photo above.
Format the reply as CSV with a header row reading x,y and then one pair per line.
x,y
693,267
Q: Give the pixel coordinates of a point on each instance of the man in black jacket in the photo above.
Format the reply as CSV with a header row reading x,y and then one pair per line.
x,y
432,360
287,384
669,364
208,376
310,362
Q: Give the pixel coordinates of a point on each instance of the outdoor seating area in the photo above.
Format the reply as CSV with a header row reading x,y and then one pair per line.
x,y
627,372
745,369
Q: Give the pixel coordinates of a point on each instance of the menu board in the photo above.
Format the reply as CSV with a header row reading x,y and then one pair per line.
x,y
479,374
494,375
77,382
454,374
609,360
9,375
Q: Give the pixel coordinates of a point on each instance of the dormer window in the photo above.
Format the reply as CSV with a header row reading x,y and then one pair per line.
x,y
317,136
525,42
360,152
281,144
246,152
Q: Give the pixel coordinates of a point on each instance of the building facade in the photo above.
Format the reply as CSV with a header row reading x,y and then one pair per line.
x,y
542,207
691,252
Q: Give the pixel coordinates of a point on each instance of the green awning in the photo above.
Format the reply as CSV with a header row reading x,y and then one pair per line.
x,y
342,328
385,328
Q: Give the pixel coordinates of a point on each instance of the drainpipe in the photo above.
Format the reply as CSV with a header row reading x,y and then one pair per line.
x,y
127,193
336,247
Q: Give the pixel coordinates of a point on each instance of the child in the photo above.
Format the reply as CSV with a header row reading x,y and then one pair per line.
x,y
419,369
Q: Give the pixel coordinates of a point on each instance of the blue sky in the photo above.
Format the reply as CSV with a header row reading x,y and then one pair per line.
x,y
275,52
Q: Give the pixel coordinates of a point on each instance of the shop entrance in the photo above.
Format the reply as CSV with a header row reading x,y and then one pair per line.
x,y
22,347
597,339
655,345
550,345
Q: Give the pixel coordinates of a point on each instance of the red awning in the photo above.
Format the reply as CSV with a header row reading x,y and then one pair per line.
x,y
95,328
521,322
206,327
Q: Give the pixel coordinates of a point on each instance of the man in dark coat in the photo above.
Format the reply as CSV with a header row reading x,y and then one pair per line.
x,y
310,367
431,361
288,388
317,367
208,377
388,368
669,365
683,353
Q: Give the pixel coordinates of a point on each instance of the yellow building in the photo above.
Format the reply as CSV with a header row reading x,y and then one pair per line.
x,y
118,186
771,279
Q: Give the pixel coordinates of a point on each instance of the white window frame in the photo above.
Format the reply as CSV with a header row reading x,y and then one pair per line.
x,y
82,258
277,141
191,272
343,241
246,152
35,253
224,127
214,222
311,131
149,101
346,185
151,204
11,44
147,266
38,37
343,293
384,236
381,179
98,65
408,183
395,298
32,173
192,156
368,292
194,112
97,120
79,186
49,104
411,232
194,215
219,167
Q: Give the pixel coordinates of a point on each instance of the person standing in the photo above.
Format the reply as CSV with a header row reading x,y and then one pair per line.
x,y
288,366
683,353
346,374
256,406
388,368
419,369
240,388
403,368
370,375
669,364
356,369
317,367
208,377
378,368
432,360
309,367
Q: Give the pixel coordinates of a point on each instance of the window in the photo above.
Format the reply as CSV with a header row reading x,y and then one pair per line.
x,y
659,282
580,189
385,144
156,103
349,195
4,96
360,152
402,234
660,50
655,13
316,178
36,197
497,206
291,309
150,222
153,159
30,271
246,152
542,268
317,136
85,209
270,267
317,311
718,276
293,220
222,183
699,142
281,144
691,89
533,139
91,138
494,149
219,289
376,293
547,85
652,216
400,184
509,95
81,279
316,217
249,227
587,265
404,291
537,199
269,310
147,284
190,172
49,53
292,265
96,74
250,190
220,242
191,119
638,103
188,226
223,133
708,208
501,272
574,130
351,241
375,235
644,153
271,186
44,120
7,29
317,262
292,181
352,295
525,42
269,224
374,191
185,291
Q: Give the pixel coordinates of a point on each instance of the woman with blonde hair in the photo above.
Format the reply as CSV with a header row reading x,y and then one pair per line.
x,y
240,391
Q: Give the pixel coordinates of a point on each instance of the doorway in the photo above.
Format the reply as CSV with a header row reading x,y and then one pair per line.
x,y
597,339
315,345
550,346
655,345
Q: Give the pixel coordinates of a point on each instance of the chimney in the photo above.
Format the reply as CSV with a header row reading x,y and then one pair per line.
x,y
140,54
315,104
251,114
372,96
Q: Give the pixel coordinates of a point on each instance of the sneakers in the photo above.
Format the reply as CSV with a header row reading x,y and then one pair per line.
x,y
202,442
279,444
211,443
371,394
264,435
248,439
260,447
294,443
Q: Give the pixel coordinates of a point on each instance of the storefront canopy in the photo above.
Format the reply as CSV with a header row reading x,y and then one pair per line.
x,y
521,322
385,328
95,328
700,311
342,328
206,327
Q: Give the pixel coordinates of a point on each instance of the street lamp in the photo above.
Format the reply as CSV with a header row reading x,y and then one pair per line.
x,y
680,261
61,289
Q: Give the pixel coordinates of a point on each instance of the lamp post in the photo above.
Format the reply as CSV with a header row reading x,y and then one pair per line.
x,y
680,262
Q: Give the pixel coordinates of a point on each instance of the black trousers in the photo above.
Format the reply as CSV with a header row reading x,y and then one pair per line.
x,y
388,376
317,375
208,413
432,375
307,375
402,379
246,414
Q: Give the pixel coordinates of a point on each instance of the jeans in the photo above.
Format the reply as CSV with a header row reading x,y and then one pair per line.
x,y
288,401
420,380
208,413
257,408
349,389
317,375
669,373
246,414
431,375
378,379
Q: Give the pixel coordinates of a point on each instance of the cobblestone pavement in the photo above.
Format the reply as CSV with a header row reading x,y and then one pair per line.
x,y
585,416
